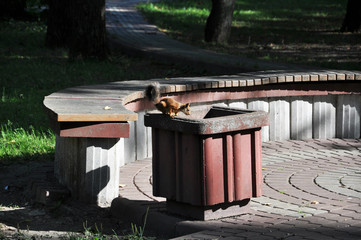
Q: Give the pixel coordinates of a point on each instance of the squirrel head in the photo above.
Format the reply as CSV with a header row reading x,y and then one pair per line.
x,y
185,108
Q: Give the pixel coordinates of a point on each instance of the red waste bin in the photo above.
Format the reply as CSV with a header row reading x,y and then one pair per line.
x,y
209,162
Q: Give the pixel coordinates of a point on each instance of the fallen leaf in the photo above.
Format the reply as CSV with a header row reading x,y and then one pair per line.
x,y
314,202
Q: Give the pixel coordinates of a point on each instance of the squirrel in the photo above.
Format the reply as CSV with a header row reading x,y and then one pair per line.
x,y
167,106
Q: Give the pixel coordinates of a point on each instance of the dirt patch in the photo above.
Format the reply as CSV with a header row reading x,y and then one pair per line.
x,y
23,217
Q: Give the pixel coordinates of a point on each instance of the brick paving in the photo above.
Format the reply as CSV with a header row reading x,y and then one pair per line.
x,y
311,191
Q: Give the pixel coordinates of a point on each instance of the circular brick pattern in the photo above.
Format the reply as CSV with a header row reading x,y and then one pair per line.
x,y
341,181
311,190
352,181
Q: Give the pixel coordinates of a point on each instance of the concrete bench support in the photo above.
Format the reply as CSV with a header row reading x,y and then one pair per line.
x,y
89,167
324,117
349,107
88,158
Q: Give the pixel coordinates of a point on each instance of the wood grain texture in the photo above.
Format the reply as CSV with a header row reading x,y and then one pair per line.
x,y
93,110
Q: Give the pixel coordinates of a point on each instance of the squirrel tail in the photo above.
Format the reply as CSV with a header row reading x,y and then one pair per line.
x,y
152,92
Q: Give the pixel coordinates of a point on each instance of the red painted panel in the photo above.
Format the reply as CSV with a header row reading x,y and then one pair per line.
x,y
257,163
155,162
93,130
188,169
230,168
242,165
165,163
214,179
273,90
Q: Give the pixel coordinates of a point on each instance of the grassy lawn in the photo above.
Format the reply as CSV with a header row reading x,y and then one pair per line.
x,y
29,71
303,32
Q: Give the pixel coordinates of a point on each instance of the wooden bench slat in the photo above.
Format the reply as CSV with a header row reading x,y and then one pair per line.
x,y
88,110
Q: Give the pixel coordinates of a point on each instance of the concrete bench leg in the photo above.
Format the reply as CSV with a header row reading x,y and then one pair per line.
x,y
89,167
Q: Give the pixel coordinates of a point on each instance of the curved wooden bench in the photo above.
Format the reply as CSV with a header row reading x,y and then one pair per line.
x,y
100,127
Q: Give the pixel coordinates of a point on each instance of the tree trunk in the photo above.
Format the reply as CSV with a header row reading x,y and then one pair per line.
x,y
89,36
352,20
59,24
219,22
78,25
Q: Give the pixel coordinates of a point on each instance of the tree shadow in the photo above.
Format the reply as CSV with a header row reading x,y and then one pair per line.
x,y
300,33
23,188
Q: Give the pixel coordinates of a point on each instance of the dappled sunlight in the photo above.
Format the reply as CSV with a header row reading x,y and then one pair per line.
x,y
177,13
247,12
32,57
16,142
304,32
19,57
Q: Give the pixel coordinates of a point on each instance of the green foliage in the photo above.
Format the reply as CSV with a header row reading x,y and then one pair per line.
x,y
90,234
138,232
94,233
302,32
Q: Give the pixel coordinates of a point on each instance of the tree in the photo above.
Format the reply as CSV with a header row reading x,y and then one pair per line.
x,y
219,22
352,20
78,25
89,36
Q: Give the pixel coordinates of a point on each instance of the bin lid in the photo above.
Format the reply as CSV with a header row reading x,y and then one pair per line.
x,y
209,120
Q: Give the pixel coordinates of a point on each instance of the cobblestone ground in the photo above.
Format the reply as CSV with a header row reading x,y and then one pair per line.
x,y
311,190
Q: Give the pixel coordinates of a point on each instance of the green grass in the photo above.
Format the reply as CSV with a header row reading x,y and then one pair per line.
x,y
301,32
29,71
18,144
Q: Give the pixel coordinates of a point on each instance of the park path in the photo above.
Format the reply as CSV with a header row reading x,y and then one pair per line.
x,y
130,32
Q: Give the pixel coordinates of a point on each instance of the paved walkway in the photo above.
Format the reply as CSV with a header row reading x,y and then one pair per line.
x,y
129,31
311,190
